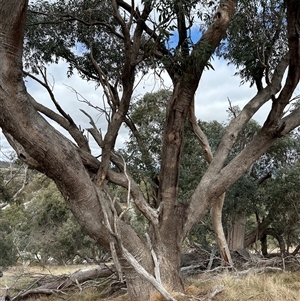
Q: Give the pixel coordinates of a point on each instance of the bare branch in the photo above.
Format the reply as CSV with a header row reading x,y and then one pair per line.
x,y
137,196
63,18
45,84
64,121
23,184
111,96
200,135
133,262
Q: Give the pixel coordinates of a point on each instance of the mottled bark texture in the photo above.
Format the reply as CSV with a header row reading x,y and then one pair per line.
x,y
81,177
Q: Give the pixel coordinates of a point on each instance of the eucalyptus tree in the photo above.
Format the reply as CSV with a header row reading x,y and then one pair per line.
x,y
277,211
277,166
49,232
118,41
244,202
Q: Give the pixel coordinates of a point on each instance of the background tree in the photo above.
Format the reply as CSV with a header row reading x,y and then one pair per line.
x,y
12,221
100,26
53,234
40,228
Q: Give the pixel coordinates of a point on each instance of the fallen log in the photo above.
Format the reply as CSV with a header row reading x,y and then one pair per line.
x,y
80,276
51,284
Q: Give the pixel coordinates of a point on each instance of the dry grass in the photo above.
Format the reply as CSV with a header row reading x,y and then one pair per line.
x,y
19,278
254,287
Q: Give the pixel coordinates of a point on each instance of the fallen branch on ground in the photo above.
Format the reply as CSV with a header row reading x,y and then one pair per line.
x,y
51,284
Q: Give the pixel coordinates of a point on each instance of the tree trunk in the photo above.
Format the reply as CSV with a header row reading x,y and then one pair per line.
x,y
256,234
217,207
216,214
236,234
264,245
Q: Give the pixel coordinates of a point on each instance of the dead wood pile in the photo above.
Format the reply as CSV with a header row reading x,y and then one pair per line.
x,y
105,276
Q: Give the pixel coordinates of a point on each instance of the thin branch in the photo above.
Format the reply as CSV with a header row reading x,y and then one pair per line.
x,y
45,84
155,259
200,134
23,184
64,121
111,96
63,18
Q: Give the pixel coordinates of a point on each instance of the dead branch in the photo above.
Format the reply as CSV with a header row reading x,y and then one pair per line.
x,y
113,226
260,270
50,284
23,184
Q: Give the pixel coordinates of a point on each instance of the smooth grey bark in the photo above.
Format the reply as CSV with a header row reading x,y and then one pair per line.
x,y
236,234
217,207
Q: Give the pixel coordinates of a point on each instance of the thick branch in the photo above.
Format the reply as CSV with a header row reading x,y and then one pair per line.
x,y
293,76
217,207
205,189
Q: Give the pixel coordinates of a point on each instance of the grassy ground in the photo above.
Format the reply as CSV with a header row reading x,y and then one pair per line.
x,y
253,287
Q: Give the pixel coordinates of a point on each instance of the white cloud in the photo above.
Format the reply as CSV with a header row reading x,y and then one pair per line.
x,y
215,88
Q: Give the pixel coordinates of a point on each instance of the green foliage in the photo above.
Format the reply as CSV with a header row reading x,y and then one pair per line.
x,y
283,154
70,31
43,228
256,40
8,254
54,234
240,197
73,30
280,197
142,151
4,193
11,224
